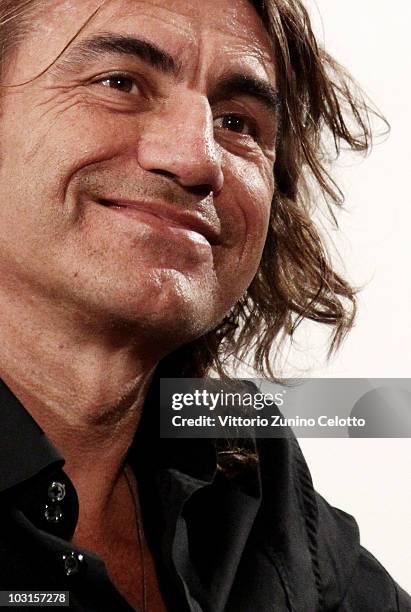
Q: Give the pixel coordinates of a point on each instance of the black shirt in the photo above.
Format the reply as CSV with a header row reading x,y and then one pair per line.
x,y
263,541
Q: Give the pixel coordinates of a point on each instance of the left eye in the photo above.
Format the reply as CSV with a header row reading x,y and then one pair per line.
x,y
119,82
237,124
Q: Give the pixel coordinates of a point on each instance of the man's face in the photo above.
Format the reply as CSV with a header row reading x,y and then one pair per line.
x,y
136,173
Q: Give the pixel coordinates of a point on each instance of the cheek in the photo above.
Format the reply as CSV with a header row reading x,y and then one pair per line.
x,y
68,130
86,141
47,174
251,184
244,207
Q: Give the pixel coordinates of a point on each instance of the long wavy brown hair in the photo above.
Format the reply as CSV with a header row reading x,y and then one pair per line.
x,y
320,104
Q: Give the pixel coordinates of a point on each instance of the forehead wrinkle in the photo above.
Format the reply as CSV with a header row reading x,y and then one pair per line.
x,y
250,60
170,18
254,52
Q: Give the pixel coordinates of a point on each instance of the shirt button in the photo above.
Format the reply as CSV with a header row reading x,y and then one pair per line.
x,y
57,491
52,514
72,563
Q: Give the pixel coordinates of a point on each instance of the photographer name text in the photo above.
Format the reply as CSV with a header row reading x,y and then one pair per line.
x,y
262,422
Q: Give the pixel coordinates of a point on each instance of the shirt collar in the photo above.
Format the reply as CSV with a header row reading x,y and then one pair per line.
x,y
31,471
25,451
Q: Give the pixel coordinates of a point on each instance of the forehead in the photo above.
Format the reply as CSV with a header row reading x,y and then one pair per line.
x,y
196,31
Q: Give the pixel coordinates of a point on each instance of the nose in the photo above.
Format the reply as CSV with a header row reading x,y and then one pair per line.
x,y
179,142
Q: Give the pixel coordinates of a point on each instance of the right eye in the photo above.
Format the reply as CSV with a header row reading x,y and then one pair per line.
x,y
121,82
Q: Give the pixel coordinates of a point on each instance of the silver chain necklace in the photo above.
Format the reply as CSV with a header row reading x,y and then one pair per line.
x,y
131,483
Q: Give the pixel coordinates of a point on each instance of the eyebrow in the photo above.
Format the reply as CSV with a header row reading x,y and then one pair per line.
x,y
239,84
117,44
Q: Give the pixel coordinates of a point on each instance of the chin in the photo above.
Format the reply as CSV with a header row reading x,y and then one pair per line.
x,y
163,304
168,318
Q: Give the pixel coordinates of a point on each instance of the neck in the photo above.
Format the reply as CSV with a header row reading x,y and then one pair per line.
x,y
85,389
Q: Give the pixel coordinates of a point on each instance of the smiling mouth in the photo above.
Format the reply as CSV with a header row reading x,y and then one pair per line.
x,y
163,216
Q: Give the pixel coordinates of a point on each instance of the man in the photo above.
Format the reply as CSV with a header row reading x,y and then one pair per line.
x,y
153,162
